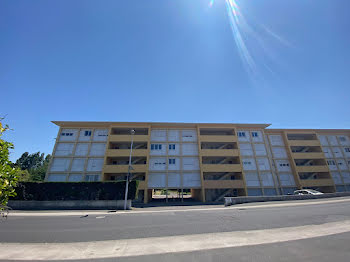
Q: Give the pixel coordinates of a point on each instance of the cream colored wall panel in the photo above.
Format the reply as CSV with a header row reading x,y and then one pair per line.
x,y
346,177
246,149
85,135
279,152
283,165
337,152
190,163
68,134
189,135
158,135
174,180
263,164
191,180
243,136
267,179
257,136
100,135
344,140
286,179
56,178
78,164
327,152
173,163
260,149
252,179
157,164
276,140
95,164
342,164
158,149
332,140
337,178
60,164
346,151
189,149
97,149
174,135
75,178
323,140
156,180
64,149
249,164
173,149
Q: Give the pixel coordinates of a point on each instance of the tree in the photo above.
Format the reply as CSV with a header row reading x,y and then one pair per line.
x,y
36,164
8,173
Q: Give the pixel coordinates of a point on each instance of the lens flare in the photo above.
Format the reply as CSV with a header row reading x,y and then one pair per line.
x,y
258,32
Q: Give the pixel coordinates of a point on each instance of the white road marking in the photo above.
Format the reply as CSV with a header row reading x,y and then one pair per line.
x,y
235,207
162,245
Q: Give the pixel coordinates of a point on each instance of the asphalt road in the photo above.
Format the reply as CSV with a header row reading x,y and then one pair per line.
x,y
177,222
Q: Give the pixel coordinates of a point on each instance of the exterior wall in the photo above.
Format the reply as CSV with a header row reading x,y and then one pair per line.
x,y
336,148
78,155
174,161
213,160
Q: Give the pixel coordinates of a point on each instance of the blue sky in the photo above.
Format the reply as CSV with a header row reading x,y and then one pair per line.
x,y
170,60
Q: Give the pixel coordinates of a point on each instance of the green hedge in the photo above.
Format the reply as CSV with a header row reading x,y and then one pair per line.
x,y
41,191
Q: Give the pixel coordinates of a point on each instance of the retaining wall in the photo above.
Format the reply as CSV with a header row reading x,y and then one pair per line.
x,y
248,199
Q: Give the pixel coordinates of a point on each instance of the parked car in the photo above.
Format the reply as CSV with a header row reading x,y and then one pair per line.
x,y
307,192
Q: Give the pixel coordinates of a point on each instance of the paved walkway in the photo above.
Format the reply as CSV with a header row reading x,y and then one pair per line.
x,y
164,209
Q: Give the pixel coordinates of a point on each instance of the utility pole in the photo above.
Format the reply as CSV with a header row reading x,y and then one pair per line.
x,y
132,132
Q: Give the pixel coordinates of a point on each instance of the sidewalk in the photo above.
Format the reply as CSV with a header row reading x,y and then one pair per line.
x,y
160,209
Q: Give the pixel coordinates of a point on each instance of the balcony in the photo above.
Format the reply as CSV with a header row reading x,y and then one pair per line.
x,y
217,138
127,138
221,168
316,182
219,152
308,155
124,168
310,169
126,152
223,184
303,142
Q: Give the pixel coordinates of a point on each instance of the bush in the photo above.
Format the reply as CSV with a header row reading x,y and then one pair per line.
x,y
46,191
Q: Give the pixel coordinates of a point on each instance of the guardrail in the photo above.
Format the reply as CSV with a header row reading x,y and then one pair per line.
x,y
248,199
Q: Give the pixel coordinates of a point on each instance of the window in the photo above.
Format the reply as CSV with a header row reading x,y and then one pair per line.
x,y
156,147
241,134
331,162
284,164
255,134
66,134
342,139
87,133
171,161
171,146
347,149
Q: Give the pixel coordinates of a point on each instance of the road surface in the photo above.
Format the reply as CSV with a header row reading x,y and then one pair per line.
x,y
308,230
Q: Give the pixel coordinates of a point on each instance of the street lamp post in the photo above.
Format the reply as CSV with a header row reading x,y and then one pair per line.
x,y
132,132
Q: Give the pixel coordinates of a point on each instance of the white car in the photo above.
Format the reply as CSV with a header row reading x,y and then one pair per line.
x,y
307,192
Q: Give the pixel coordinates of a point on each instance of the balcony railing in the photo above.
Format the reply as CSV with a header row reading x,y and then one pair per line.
x,y
126,152
223,184
217,138
221,168
219,152
127,138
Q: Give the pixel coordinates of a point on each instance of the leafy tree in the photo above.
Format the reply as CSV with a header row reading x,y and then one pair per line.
x,y
36,164
8,173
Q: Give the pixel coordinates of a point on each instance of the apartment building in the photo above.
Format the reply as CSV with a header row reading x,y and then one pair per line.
x,y
209,160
